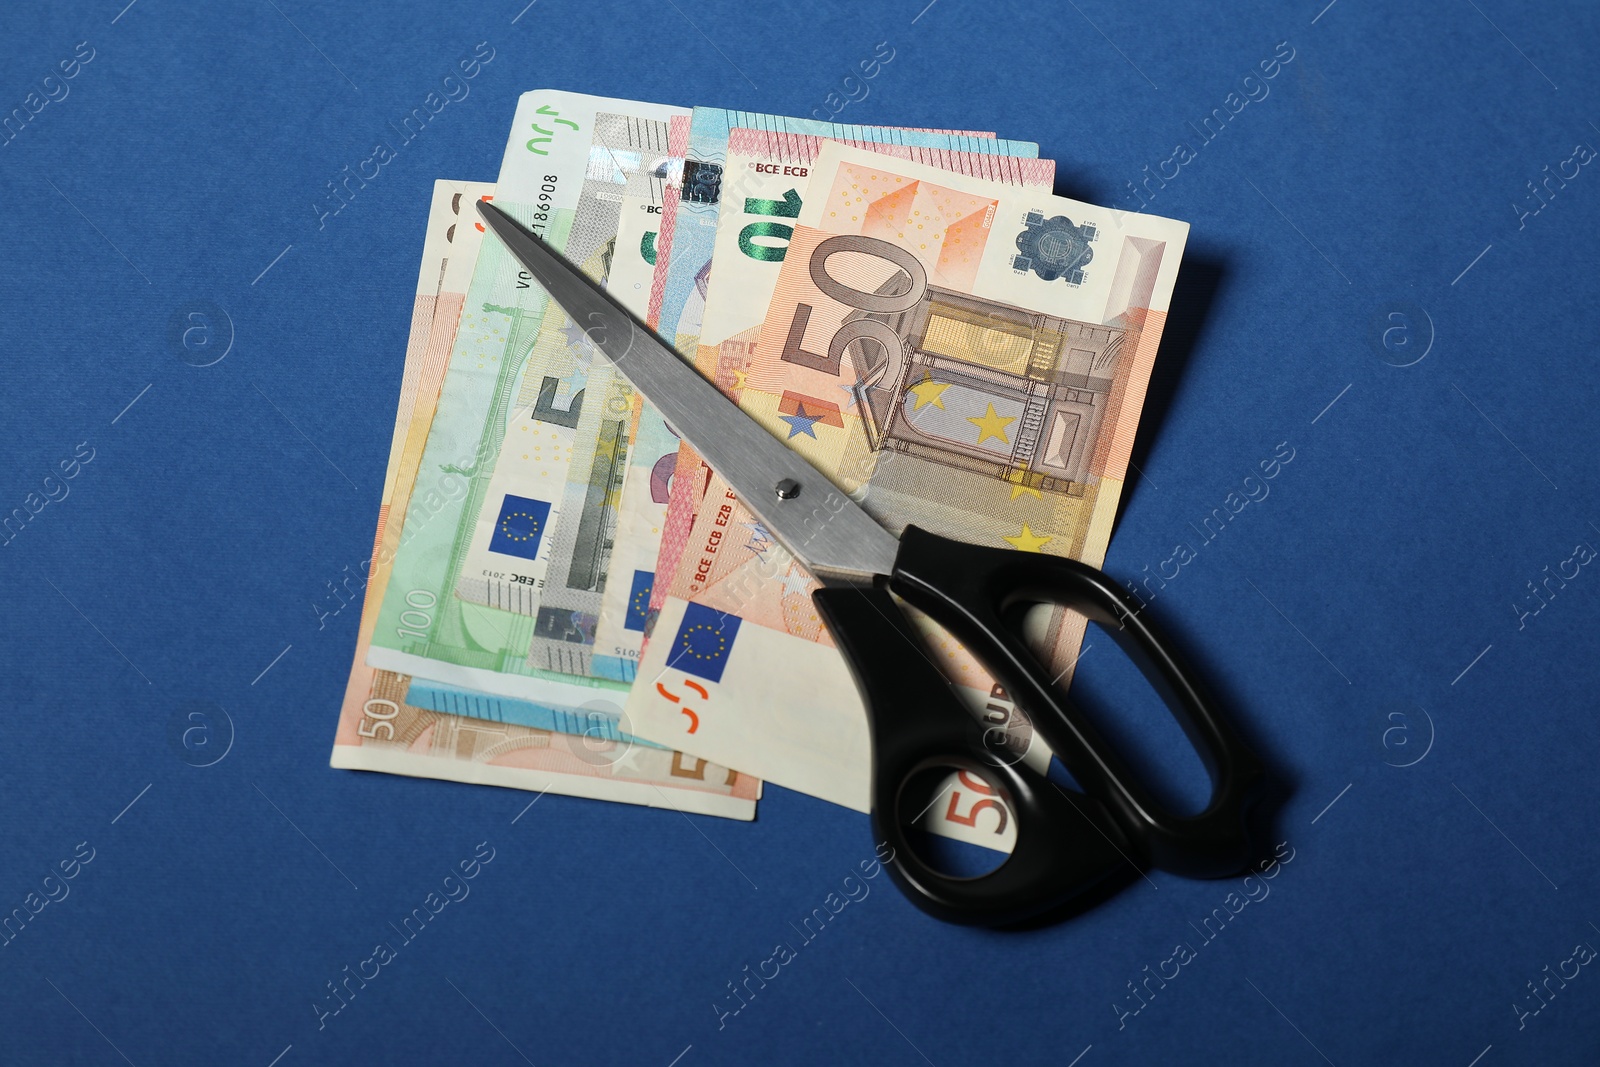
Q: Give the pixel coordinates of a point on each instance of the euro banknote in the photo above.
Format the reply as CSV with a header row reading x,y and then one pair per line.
x,y
437,246
382,727
777,166
448,259
951,352
625,603
774,167
558,577
653,449
493,387
686,465
447,255
423,743
676,308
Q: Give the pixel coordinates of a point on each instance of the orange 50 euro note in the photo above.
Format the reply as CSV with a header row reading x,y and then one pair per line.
x,y
953,352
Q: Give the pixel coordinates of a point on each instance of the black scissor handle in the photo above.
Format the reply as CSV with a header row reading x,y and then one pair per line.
x,y
981,594
1065,843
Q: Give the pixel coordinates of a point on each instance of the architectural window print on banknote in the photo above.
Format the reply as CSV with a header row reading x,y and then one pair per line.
x,y
981,386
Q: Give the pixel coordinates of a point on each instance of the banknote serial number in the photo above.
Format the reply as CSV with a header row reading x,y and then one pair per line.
x,y
543,204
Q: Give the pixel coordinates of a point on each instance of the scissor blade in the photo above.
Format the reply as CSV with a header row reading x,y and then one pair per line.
x,y
824,529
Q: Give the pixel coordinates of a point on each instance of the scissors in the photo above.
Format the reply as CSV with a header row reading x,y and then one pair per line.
x,y
1067,841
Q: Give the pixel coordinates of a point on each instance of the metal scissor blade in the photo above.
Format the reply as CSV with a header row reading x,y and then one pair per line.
x,y
825,530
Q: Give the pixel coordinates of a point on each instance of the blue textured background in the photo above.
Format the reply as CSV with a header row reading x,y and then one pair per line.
x,y
1386,158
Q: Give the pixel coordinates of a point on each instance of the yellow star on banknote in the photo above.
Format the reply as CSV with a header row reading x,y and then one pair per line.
x,y
738,380
992,424
927,392
1028,541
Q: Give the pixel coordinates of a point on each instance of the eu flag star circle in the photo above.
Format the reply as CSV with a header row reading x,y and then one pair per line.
x,y
519,525
703,642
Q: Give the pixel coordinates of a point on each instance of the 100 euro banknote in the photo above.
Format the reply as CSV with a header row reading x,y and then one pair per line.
x,y
543,538
383,727
953,353
494,387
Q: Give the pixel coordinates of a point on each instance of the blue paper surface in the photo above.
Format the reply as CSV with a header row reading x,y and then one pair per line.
x,y
1390,279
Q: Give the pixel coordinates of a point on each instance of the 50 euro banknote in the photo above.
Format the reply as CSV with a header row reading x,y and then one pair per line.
x,y
953,353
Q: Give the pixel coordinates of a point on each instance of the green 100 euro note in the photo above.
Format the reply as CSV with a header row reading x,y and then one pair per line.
x,y
577,489
503,327
395,724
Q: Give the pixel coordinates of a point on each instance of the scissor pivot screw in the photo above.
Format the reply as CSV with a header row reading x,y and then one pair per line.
x,y
788,489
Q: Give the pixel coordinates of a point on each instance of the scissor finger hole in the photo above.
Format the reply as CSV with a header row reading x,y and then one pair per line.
x,y
1108,689
957,821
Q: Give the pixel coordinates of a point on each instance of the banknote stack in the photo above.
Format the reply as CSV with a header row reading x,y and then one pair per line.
x,y
564,598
